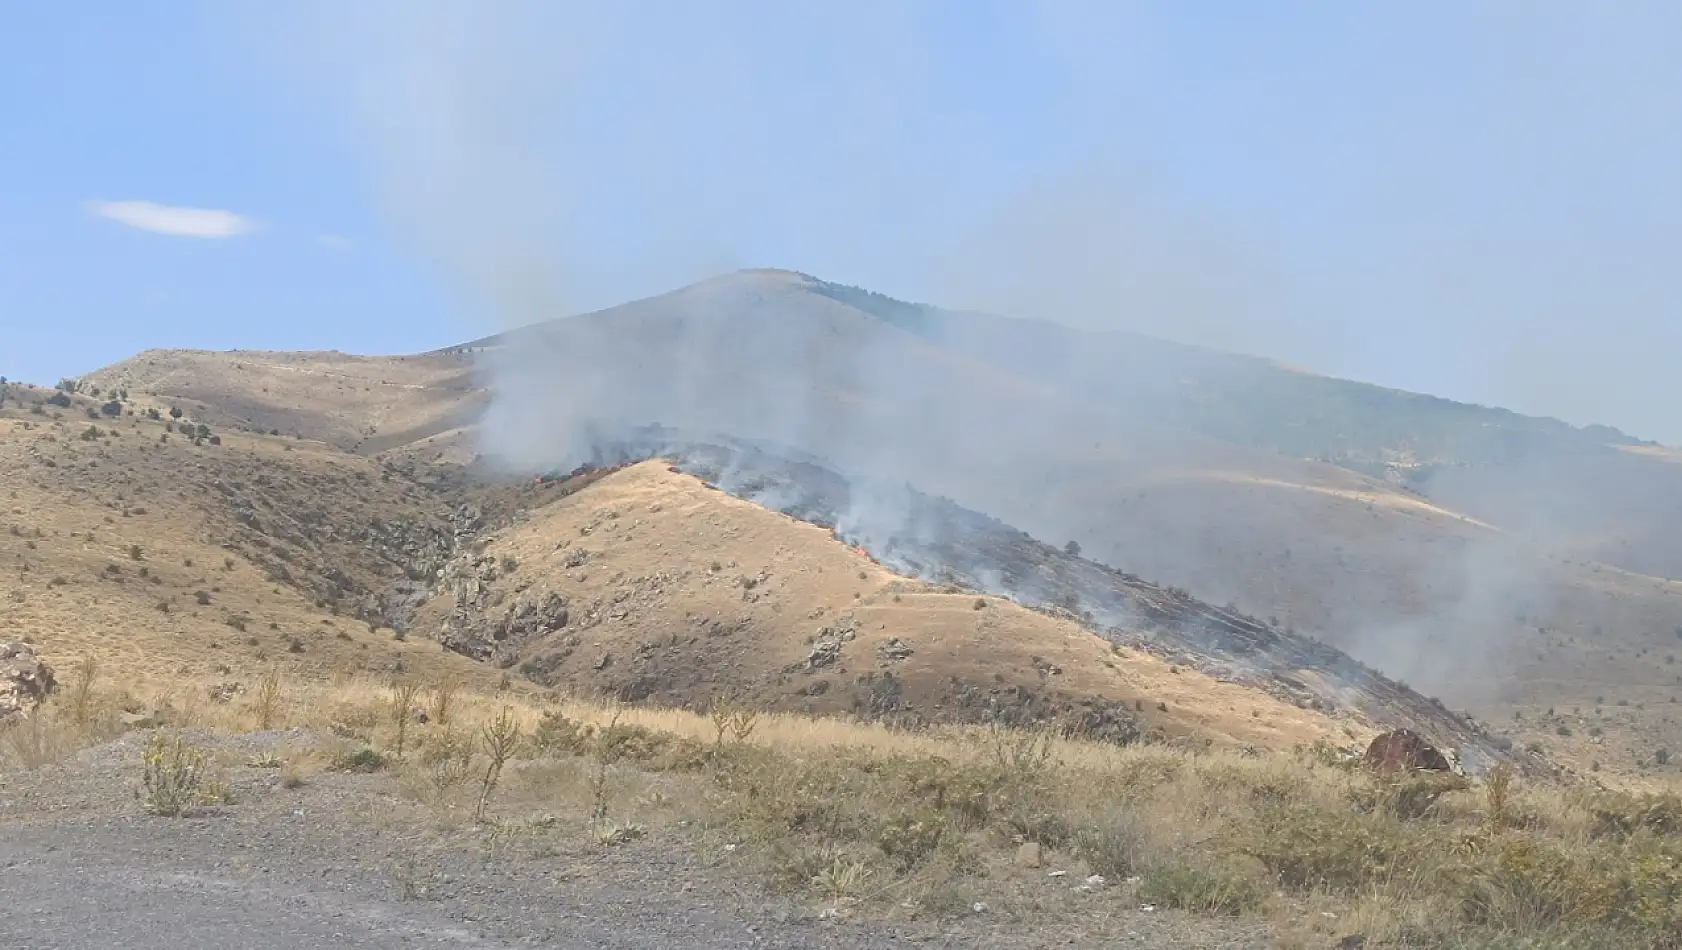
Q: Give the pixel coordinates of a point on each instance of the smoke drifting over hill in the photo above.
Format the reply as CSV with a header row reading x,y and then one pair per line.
x,y
554,158
1498,228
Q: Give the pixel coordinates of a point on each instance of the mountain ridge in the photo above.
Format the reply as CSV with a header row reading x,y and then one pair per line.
x,y
1478,580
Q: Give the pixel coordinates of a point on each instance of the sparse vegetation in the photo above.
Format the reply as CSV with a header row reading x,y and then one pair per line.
x,y
875,816
446,761
81,693
443,704
362,759
403,693
892,821
268,699
177,777
501,741
732,719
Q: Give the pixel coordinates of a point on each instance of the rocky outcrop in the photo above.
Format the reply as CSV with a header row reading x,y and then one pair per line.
x,y
482,624
1402,750
25,681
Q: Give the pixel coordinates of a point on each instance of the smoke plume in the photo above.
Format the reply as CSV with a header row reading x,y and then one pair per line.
x,y
1111,170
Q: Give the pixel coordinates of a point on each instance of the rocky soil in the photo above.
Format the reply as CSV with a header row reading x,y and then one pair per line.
x,y
346,861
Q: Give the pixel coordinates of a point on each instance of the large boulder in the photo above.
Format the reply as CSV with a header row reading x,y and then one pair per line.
x,y
25,681
1402,750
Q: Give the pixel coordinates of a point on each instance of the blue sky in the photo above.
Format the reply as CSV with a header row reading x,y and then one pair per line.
x,y
1480,200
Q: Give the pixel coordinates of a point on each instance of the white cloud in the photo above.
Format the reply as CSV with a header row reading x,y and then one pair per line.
x,y
175,221
334,243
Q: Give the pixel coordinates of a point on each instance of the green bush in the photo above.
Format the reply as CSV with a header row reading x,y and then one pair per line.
x,y
1201,891
908,840
363,760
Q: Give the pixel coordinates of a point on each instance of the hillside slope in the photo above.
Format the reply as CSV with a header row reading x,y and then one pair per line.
x,y
1075,436
179,560
174,562
361,404
648,585
1498,588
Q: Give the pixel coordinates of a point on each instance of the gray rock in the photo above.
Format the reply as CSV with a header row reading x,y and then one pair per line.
x,y
25,681
894,649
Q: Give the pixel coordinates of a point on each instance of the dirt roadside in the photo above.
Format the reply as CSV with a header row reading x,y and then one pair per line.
x,y
347,861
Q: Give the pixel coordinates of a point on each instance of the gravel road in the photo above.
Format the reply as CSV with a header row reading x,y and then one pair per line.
x,y
347,862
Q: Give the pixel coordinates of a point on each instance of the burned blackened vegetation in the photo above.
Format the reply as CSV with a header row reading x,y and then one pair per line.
x,y
938,541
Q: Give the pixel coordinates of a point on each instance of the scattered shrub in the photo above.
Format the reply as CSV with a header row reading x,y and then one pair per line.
x,y
908,840
1200,890
557,735
362,760
176,778
628,741
1313,847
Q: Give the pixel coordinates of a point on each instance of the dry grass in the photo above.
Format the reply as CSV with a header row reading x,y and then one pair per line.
x,y
128,550
703,598
889,820
1220,515
352,402
109,543
892,822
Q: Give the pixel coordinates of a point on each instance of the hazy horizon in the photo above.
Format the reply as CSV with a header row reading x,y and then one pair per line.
x,y
1475,201
539,320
